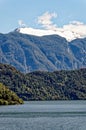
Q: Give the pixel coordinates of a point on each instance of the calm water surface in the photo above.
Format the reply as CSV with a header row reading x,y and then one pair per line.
x,y
44,115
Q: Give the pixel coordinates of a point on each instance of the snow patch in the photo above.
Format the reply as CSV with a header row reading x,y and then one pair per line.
x,y
71,31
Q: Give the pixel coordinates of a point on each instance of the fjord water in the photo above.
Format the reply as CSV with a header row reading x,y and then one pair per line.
x,y
44,115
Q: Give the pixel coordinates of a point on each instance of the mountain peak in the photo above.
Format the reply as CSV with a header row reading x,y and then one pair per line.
x,y
70,32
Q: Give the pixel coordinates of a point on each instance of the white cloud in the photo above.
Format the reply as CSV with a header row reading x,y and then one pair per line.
x,y
71,31
21,23
46,20
76,23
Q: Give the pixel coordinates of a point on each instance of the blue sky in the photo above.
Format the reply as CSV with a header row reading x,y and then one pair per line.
x,y
28,11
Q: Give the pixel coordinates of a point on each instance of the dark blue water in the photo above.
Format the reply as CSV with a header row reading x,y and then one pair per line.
x,y
44,115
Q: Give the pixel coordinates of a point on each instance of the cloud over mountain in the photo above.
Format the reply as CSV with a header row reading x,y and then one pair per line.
x,y
71,31
21,23
46,20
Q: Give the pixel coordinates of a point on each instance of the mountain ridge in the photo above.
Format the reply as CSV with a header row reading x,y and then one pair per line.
x,y
46,53
70,32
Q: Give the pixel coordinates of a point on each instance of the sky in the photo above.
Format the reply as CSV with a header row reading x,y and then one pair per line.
x,y
40,13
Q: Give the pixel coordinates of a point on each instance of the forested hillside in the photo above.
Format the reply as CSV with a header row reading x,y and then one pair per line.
x,y
7,97
40,85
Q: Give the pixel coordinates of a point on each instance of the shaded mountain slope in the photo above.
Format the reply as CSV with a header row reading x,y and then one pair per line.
x,y
47,53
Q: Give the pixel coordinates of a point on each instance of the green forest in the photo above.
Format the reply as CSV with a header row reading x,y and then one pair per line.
x,y
40,85
7,97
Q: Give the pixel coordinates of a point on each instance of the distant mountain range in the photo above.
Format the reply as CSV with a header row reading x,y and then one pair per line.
x,y
46,53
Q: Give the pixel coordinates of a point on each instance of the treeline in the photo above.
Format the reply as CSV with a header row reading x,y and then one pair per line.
x,y
40,85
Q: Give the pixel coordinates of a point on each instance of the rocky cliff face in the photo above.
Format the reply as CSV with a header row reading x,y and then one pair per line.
x,y
46,53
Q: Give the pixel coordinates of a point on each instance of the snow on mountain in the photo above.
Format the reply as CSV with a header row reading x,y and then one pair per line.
x,y
70,32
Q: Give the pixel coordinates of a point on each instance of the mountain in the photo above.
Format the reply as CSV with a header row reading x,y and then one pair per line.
x,y
38,85
46,53
71,31
78,48
7,97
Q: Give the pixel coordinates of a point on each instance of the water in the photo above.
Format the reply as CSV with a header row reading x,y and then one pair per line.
x,y
44,115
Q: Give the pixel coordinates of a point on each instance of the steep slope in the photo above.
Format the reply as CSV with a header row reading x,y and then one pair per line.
x,y
78,48
24,54
46,53
7,97
58,85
